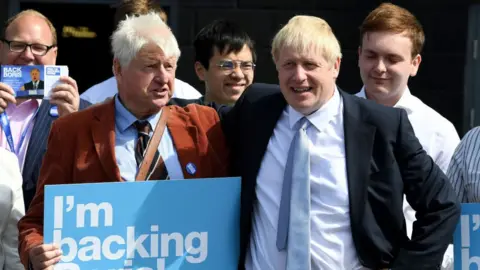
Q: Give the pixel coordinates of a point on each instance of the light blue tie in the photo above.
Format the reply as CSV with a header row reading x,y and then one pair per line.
x,y
294,216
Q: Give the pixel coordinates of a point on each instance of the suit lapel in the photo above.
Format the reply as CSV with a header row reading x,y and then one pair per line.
x,y
103,134
263,119
359,137
37,144
189,149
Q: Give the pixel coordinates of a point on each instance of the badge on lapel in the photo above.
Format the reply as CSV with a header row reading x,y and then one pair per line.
x,y
191,168
54,111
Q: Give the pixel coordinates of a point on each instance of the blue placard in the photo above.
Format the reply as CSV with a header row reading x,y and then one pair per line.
x,y
467,238
153,225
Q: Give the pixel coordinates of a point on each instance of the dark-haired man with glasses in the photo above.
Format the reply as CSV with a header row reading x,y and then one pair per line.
x,y
29,38
224,60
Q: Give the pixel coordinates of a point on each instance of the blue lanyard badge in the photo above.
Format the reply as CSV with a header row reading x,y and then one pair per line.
x,y
8,132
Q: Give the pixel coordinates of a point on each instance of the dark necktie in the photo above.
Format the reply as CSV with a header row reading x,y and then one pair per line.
x,y
143,129
157,170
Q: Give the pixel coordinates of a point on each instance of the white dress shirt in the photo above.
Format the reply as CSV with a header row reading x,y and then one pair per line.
x,y
108,88
436,134
438,138
12,208
331,237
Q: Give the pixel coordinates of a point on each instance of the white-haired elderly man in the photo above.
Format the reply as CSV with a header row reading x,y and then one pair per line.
x,y
145,59
324,172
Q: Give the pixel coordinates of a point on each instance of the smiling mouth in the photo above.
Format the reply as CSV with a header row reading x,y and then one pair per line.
x,y
160,90
301,89
379,79
235,85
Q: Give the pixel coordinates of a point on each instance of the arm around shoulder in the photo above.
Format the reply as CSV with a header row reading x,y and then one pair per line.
x,y
218,147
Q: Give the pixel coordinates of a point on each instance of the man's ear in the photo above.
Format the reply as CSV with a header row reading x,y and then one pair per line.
x,y
415,65
200,70
336,67
55,51
117,68
1,52
359,51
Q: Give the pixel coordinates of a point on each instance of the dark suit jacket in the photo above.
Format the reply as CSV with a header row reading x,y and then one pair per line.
x,y
81,149
384,160
37,147
29,85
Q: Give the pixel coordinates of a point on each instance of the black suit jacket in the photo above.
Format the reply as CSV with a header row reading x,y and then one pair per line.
x,y
384,161
29,85
37,147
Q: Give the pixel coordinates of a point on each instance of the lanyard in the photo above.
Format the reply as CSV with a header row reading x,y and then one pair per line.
x,y
8,132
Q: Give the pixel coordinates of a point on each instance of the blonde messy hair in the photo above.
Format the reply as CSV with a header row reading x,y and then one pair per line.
x,y
303,33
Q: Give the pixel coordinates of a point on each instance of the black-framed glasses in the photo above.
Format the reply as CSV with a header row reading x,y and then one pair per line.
x,y
230,65
19,47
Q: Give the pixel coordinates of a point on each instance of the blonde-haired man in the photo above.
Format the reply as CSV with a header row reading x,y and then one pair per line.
x,y
324,172
145,60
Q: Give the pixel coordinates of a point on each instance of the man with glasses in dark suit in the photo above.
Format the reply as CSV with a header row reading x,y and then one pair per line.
x,y
29,38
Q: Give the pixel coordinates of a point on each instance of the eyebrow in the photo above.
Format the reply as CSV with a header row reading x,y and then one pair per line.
x,y
369,51
388,54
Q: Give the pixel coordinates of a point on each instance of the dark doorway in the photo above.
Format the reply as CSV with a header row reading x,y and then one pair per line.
x,y
83,32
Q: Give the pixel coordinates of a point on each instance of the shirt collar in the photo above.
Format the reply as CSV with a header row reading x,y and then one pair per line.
x,y
124,119
405,101
34,103
322,116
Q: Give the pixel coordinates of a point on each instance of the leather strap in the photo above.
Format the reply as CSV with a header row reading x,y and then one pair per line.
x,y
152,145
158,172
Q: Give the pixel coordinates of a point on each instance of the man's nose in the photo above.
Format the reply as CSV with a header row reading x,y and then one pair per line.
x,y
161,75
380,66
27,54
237,72
300,74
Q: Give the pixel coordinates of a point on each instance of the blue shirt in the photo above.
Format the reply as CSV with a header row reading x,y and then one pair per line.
x,y
126,136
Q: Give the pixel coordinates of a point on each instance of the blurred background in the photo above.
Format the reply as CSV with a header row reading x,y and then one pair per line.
x,y
448,79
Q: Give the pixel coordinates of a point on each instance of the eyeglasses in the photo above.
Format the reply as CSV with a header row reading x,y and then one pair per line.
x,y
230,65
19,47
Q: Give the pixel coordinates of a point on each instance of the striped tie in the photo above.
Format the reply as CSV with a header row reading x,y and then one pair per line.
x,y
158,170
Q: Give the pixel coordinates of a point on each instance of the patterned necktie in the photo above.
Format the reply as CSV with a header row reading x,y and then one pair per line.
x,y
294,215
143,128
158,170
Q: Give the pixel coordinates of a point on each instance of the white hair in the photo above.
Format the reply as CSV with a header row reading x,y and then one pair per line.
x,y
137,31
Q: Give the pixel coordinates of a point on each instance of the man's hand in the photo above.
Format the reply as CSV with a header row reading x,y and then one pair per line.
x,y
65,96
6,96
44,257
